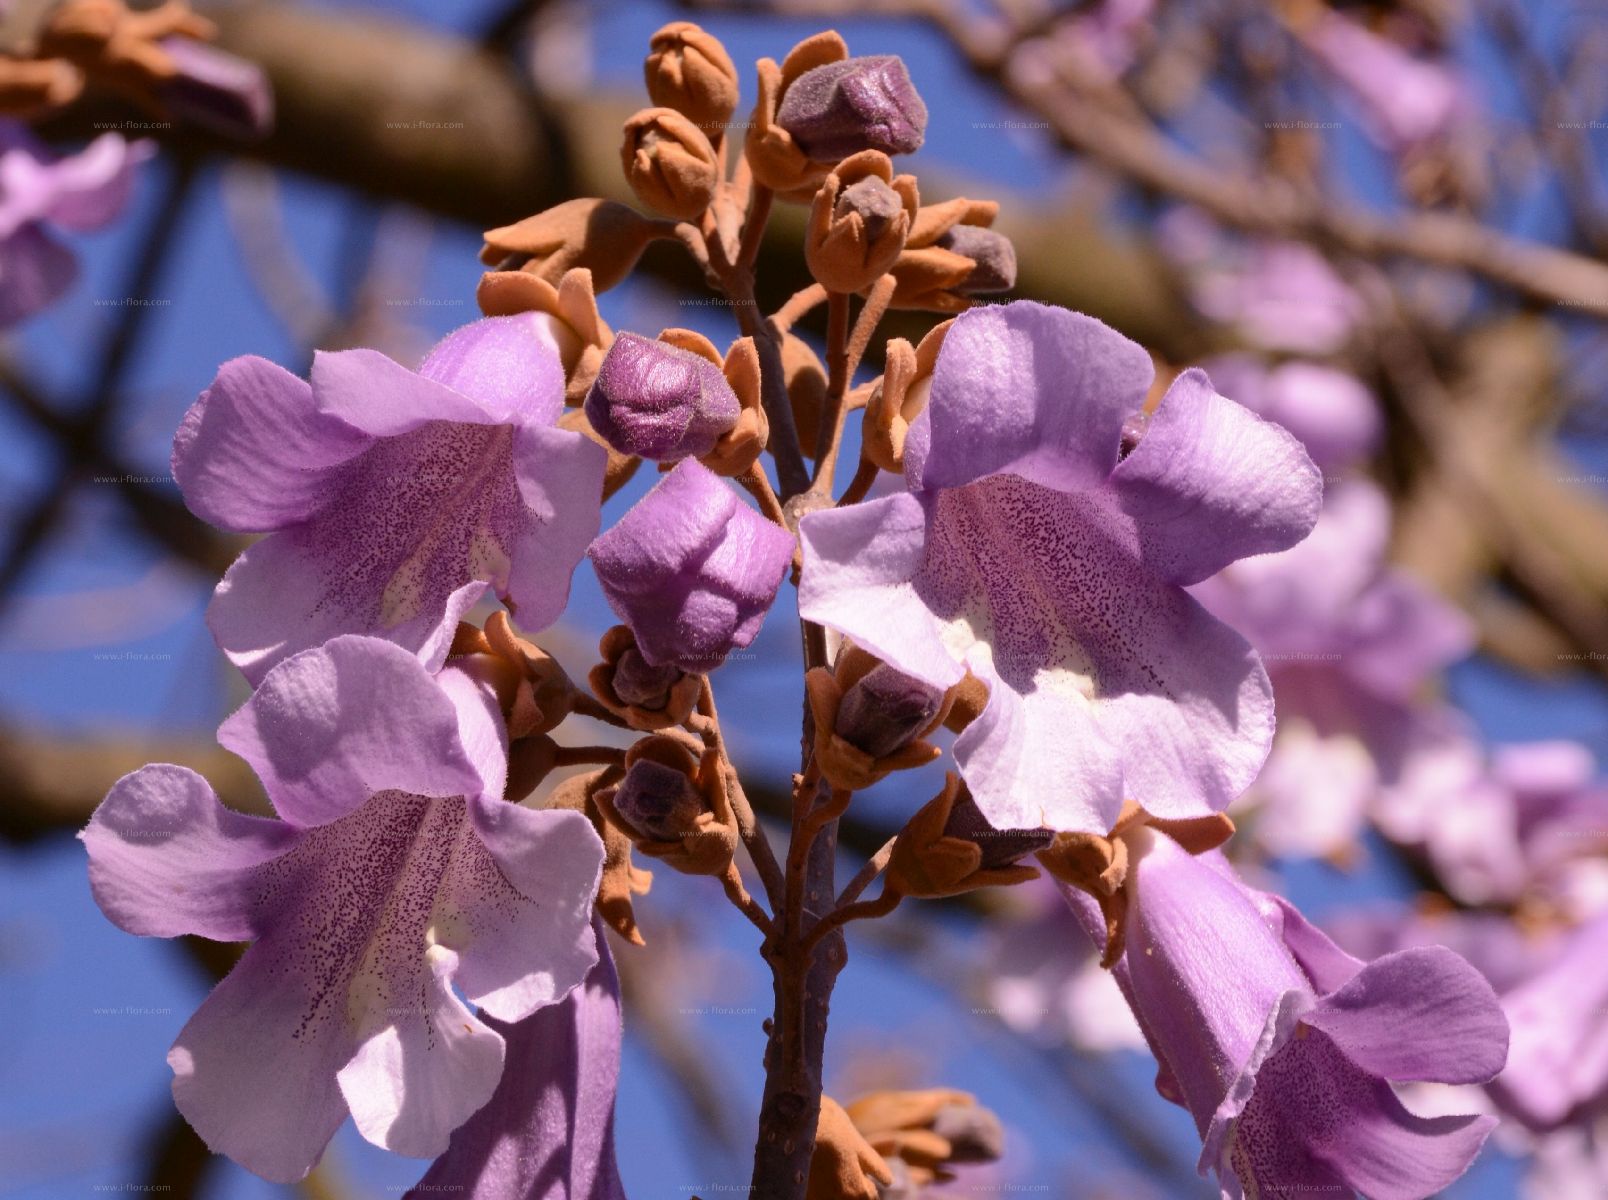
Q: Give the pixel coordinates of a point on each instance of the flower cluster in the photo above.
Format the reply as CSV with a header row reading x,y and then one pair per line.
x,y
1083,586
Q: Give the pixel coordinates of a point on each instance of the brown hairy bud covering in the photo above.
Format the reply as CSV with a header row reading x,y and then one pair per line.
x,y
604,236
899,397
890,734
859,220
533,691
630,689
927,1132
673,806
741,445
937,271
932,855
687,69
843,1166
669,163
806,389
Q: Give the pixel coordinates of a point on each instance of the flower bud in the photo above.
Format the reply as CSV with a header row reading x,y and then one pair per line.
x,y
687,69
658,401
859,220
692,569
674,806
645,696
899,398
1000,847
669,163
841,108
603,236
659,803
776,159
886,710
993,254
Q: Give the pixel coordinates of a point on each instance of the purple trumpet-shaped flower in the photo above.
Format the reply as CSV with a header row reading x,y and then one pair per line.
x,y
1283,1047
854,104
395,878
548,1131
691,569
393,498
659,401
79,192
217,90
1028,554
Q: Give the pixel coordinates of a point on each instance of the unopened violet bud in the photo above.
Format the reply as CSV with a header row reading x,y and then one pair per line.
x,y
658,801
639,682
217,90
1000,847
855,104
886,710
993,253
659,401
691,569
877,204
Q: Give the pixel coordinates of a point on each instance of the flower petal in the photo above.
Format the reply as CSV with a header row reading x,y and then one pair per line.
x,y
322,747
560,479
165,858
382,398
254,1071
1210,482
533,882
548,1130
426,1070
509,366
858,566
1420,1014
1319,1121
35,271
253,454
282,596
1033,390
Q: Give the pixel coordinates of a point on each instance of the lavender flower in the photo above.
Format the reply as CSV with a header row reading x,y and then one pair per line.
x,y
548,1129
691,569
395,878
1029,554
38,191
217,90
393,499
1283,1047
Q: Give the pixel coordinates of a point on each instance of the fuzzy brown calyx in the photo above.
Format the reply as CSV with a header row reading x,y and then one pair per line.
x,y
1098,864
604,236
532,690
669,163
673,806
776,160
688,69
582,335
621,878
930,860
858,747
859,220
647,698
844,1166
931,274
929,1131
900,396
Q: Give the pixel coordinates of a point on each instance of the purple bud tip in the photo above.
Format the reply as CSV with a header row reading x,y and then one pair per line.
x,y
640,683
658,401
886,710
993,253
217,90
1000,847
878,204
657,801
1133,431
857,104
974,1134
